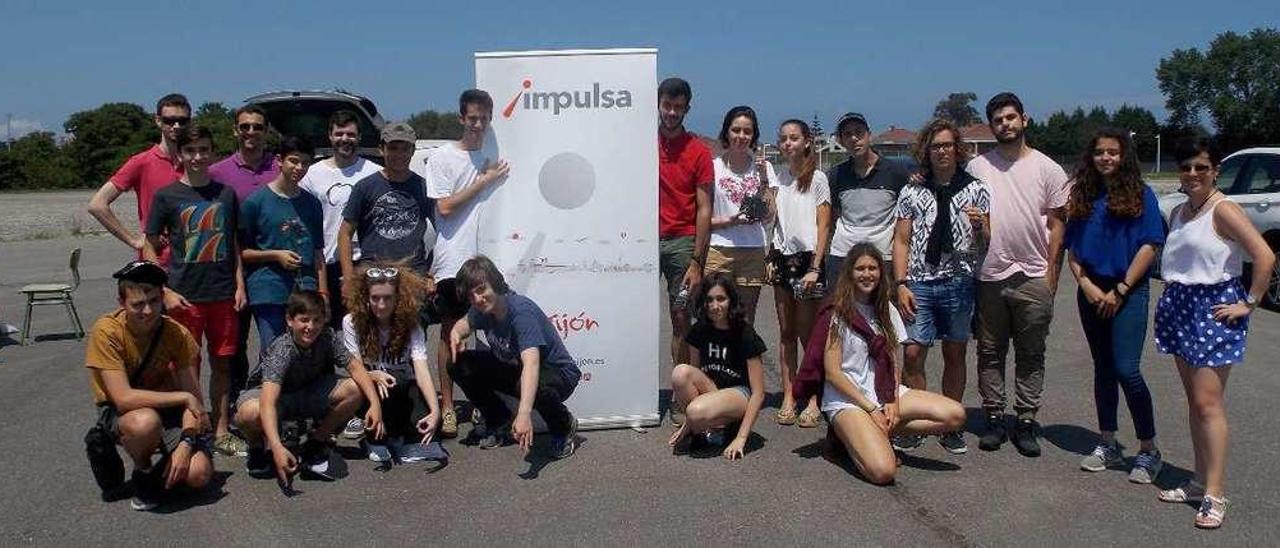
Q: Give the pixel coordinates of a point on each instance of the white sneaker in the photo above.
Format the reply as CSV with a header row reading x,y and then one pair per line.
x,y
354,429
378,452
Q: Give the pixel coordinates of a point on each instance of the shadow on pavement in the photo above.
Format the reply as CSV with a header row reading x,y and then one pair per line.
x,y
185,498
1071,438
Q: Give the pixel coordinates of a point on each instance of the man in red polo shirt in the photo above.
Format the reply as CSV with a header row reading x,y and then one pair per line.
x,y
145,173
684,209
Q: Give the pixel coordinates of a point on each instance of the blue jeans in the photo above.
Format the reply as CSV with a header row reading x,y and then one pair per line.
x,y
944,310
270,322
1116,345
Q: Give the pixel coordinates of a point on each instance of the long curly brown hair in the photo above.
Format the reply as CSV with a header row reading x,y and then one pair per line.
x,y
846,291
924,139
1124,189
404,319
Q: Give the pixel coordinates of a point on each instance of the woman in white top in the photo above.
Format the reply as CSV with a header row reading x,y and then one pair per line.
x,y
802,200
740,207
383,336
864,398
1203,315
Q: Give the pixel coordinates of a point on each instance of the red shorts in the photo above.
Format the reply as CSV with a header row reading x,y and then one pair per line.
x,y
216,322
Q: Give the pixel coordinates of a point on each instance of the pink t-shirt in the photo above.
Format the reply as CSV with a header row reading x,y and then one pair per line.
x,y
1022,192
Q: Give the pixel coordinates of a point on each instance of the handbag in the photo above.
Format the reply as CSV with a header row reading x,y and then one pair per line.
x,y
100,441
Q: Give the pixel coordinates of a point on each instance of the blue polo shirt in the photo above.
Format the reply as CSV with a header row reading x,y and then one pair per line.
x,y
1105,244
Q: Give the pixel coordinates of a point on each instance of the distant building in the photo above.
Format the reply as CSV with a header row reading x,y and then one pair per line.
x,y
897,142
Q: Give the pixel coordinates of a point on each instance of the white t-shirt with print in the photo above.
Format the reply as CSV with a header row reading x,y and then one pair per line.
x,y
450,169
730,189
403,364
332,186
797,226
855,363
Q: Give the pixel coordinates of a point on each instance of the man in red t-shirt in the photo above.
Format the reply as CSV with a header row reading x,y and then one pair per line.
x,y
684,206
144,173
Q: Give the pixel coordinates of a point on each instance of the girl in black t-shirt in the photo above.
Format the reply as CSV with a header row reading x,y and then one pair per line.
x,y
724,379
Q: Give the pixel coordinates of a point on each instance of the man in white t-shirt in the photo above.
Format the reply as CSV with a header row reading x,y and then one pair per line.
x,y
331,181
458,176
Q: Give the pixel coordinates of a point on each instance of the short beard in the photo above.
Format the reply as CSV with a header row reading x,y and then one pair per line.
x,y
1000,138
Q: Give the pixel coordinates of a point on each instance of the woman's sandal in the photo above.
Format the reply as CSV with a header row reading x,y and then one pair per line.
x,y
1212,510
809,418
1189,491
786,416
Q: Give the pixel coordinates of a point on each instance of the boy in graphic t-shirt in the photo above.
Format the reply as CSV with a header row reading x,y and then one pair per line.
x,y
198,217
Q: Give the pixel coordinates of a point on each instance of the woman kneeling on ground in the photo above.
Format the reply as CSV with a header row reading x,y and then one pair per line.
x,y
864,398
723,382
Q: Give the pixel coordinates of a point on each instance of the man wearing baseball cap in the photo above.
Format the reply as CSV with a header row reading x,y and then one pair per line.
x,y
145,404
389,211
864,192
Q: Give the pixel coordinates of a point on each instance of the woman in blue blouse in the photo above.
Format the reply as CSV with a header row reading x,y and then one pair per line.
x,y
1114,230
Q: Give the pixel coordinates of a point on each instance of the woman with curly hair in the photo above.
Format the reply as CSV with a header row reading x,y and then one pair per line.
x,y
1114,230
383,335
723,382
864,398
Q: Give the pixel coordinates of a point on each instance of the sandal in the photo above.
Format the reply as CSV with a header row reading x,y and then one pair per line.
x,y
1212,510
1189,491
449,424
809,418
786,416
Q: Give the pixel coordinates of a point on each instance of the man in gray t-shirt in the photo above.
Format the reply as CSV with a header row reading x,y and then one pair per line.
x,y
864,194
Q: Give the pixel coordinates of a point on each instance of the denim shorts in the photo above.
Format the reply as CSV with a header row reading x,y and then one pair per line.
x,y
944,310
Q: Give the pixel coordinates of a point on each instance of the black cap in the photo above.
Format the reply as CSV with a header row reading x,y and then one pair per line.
x,y
851,117
145,272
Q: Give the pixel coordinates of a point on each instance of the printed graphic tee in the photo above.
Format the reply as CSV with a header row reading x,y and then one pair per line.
x,y
332,186
201,226
270,221
731,189
723,354
391,219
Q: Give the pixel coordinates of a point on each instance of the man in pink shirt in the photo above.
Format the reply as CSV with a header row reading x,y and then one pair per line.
x,y
144,173
1019,277
252,166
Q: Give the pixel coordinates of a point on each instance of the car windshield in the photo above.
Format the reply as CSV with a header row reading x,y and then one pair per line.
x,y
1228,171
310,119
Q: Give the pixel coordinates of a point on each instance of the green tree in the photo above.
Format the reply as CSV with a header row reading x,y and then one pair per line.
x,y
957,108
430,124
218,118
1143,124
1237,81
103,138
35,161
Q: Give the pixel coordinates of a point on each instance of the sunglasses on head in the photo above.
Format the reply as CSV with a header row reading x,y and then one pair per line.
x,y
382,273
175,120
132,266
251,126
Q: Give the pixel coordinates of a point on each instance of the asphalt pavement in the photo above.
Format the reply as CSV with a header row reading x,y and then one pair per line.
x,y
626,487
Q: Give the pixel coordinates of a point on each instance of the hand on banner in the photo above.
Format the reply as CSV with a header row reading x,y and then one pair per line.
x,y
492,172
522,431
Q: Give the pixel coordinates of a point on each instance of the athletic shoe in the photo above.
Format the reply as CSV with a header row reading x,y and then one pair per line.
x,y
315,461
907,442
354,429
954,443
449,424
259,464
146,490
562,447
378,452
715,438
995,435
1024,438
1104,456
494,438
1146,467
231,446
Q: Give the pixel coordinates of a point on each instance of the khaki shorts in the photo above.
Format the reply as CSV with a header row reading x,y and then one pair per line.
x,y
744,265
674,255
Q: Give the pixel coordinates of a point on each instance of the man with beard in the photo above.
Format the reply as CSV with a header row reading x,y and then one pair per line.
x,y
864,194
145,173
685,175
1019,276
389,210
331,181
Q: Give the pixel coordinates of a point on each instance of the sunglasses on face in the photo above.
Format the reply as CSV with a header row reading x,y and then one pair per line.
x,y
382,273
1195,168
251,126
175,120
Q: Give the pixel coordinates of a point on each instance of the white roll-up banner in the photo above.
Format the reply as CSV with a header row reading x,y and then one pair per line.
x,y
575,225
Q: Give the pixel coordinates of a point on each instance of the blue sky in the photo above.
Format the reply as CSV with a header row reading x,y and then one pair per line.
x,y
892,62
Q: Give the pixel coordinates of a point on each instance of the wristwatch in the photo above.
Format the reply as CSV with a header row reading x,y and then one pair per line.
x,y
1250,300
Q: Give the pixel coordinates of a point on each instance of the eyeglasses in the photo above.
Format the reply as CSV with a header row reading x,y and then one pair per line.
x,y
382,273
1195,168
251,126
938,147
175,120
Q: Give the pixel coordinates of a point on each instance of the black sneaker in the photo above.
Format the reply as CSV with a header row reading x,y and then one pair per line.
x,y
953,442
1024,438
995,435
146,491
562,447
259,463
315,461
494,439
907,442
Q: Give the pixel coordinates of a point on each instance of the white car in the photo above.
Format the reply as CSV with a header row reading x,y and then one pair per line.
x,y
1251,178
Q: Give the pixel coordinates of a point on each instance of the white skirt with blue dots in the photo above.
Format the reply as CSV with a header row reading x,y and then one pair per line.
x,y
1185,326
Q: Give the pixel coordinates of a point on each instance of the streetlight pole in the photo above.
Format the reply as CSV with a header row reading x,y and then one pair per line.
x,y
1158,147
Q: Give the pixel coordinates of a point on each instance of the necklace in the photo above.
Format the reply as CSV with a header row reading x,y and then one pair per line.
x,y
1196,210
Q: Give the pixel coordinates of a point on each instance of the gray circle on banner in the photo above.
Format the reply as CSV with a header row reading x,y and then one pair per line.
x,y
567,180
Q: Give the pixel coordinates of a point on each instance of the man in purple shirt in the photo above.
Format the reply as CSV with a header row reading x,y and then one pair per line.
x,y
250,168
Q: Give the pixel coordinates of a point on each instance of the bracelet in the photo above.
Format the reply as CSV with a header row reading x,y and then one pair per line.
x,y
815,269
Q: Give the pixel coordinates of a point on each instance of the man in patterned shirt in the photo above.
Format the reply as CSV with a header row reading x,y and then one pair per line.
x,y
936,251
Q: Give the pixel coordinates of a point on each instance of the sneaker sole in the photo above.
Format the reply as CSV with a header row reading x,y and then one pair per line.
x,y
954,450
1147,480
143,506
352,436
